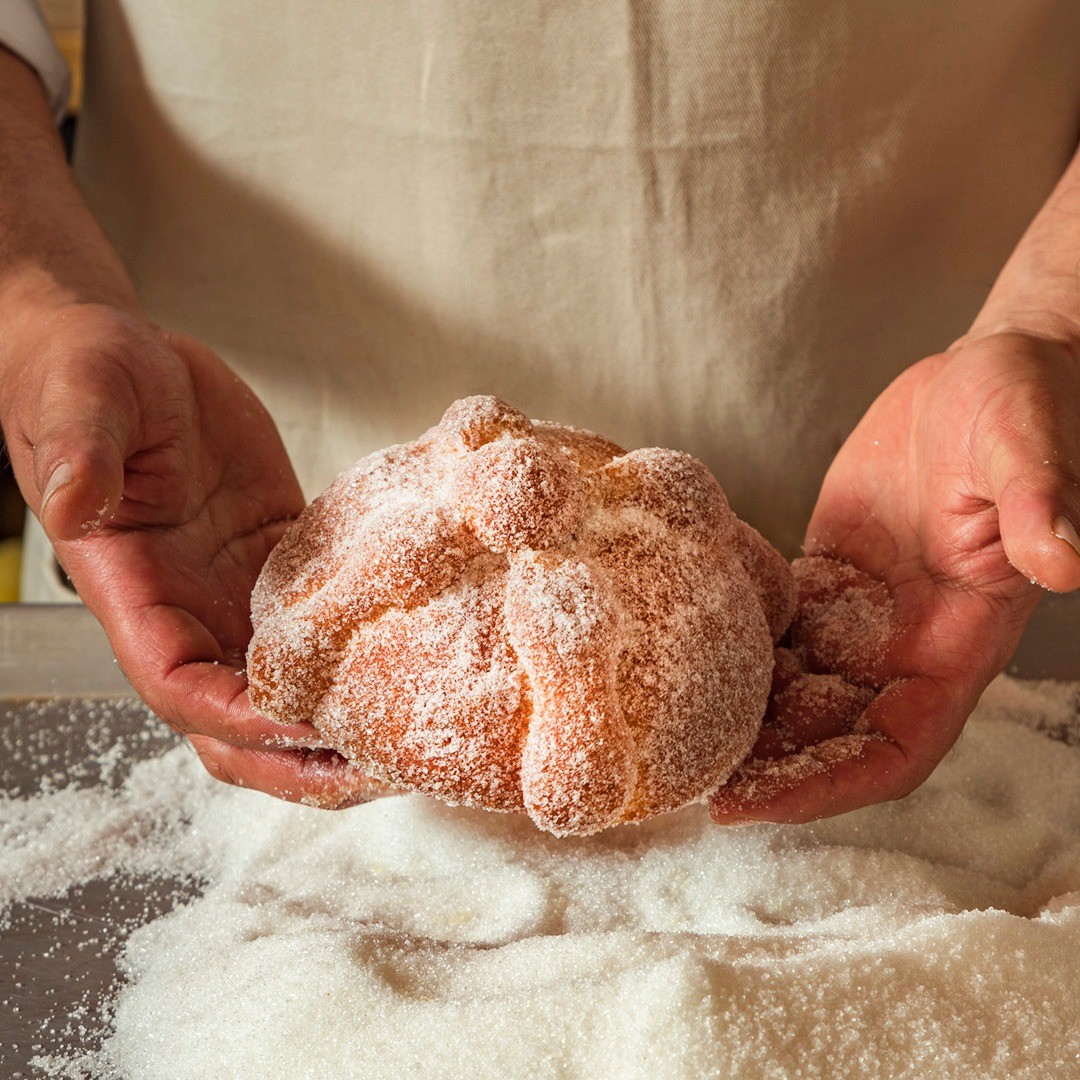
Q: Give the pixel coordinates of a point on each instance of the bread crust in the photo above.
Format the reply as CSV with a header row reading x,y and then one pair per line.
x,y
522,616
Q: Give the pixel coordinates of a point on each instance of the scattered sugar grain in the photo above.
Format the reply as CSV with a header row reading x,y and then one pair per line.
x,y
938,936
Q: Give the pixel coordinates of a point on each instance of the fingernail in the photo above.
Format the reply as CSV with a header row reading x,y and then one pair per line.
x,y
1065,530
60,476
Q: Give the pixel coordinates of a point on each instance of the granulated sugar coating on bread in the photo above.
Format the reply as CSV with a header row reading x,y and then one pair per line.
x,y
522,616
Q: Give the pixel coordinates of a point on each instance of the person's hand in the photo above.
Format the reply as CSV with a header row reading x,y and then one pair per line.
x,y
157,475
163,484
960,491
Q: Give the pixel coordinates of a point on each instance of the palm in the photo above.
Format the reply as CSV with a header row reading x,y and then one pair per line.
x,y
944,490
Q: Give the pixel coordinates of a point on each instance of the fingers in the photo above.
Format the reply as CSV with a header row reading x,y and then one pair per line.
x,y
1026,444
83,437
92,398
842,736
207,700
902,736
1038,511
211,700
181,673
314,777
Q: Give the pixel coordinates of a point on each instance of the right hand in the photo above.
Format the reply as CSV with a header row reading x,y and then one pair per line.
x,y
163,484
950,502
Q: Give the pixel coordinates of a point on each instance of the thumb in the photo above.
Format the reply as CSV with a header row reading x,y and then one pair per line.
x,y
1038,517
82,442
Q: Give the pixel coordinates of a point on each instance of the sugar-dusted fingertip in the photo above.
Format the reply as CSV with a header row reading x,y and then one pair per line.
x,y
317,778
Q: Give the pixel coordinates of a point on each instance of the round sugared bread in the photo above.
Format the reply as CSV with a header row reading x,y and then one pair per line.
x,y
522,616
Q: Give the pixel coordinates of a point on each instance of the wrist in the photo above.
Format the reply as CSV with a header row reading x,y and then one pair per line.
x,y
1046,322
1038,290
29,285
35,304
52,251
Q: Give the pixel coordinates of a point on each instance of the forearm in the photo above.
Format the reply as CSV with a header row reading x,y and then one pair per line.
x,y
1038,291
51,248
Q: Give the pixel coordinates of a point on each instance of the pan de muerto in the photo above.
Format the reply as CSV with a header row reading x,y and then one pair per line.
x,y
522,616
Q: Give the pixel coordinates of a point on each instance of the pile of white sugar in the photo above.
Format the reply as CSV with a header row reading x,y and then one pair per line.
x,y
935,937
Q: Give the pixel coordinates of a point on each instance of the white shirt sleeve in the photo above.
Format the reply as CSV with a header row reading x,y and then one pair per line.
x,y
23,31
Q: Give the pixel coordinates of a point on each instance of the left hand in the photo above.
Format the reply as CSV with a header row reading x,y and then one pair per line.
x,y
174,486
960,490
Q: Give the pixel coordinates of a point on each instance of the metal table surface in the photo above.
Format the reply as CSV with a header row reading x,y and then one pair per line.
x,y
57,956
64,707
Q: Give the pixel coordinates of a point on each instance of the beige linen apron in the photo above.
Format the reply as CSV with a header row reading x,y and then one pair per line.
x,y
718,225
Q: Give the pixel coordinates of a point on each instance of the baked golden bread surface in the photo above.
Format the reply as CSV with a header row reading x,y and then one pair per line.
x,y
522,616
